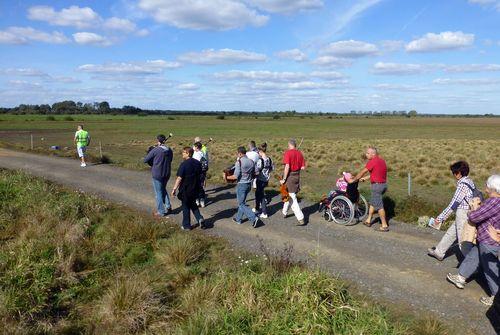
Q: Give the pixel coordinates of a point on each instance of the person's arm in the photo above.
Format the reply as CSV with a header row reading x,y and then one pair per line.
x,y
285,173
176,185
482,213
88,139
149,157
458,197
494,233
74,139
359,176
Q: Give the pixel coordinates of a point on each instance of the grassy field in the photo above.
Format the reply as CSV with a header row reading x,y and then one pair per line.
x,y
423,147
74,264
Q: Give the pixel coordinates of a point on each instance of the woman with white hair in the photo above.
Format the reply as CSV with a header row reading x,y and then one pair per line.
x,y
485,255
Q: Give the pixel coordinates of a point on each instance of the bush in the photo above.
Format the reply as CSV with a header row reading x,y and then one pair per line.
x,y
50,118
171,118
276,117
68,118
220,117
142,114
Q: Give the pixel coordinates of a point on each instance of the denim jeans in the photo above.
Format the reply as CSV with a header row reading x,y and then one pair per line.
x,y
484,257
242,190
203,176
188,206
260,197
162,199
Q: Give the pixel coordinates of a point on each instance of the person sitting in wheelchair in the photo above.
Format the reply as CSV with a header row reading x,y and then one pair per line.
x,y
343,187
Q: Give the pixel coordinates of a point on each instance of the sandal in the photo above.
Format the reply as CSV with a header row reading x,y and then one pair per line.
x,y
368,224
383,229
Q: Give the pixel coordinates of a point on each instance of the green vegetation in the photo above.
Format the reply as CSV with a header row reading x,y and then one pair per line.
x,y
425,147
71,264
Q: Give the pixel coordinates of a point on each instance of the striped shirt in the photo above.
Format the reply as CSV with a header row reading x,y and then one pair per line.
x,y
487,214
461,198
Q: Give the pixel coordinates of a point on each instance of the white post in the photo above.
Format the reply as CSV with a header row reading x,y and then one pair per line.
x,y
31,141
100,149
409,184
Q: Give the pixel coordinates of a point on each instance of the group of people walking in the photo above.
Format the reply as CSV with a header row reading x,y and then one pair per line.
x,y
476,229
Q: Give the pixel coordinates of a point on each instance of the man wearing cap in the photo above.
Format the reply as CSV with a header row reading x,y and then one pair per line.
x,y
294,162
160,160
377,168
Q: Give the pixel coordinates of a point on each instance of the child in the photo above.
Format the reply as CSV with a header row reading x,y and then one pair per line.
x,y
341,187
263,167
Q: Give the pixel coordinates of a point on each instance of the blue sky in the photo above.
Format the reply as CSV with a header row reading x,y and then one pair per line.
x,y
255,55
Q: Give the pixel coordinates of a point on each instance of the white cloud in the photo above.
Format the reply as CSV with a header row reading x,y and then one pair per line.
x,y
472,68
188,87
136,68
25,72
344,20
221,56
87,38
400,87
350,49
74,16
300,85
391,45
142,32
468,81
203,14
327,75
402,69
115,23
447,40
286,6
24,35
331,61
482,2
267,76
292,54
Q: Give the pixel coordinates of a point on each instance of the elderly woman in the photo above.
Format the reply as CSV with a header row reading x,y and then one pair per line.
x,y
485,255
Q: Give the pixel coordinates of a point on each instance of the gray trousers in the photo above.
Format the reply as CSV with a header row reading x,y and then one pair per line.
x,y
484,257
453,233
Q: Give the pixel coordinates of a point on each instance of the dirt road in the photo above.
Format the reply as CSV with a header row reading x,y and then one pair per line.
x,y
392,267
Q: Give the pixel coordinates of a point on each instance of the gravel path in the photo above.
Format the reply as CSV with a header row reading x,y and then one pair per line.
x,y
391,267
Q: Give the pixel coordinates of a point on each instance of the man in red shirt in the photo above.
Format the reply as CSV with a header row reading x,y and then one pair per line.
x,y
294,162
378,177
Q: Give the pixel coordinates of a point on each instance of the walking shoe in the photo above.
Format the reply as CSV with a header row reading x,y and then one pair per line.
x,y
263,216
432,252
186,228
236,221
284,215
83,165
198,202
202,223
301,223
202,203
168,211
254,210
456,280
255,222
488,301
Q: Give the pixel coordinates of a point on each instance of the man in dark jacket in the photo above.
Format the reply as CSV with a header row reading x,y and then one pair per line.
x,y
188,183
160,160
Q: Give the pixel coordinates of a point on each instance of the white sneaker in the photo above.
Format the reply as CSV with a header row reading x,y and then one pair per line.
x,y
456,280
83,165
263,216
202,203
254,210
197,202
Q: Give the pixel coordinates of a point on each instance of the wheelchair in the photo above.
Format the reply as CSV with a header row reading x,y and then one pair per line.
x,y
345,208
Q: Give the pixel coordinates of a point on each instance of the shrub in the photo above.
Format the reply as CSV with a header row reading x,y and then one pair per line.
x,y
276,117
220,117
50,118
68,118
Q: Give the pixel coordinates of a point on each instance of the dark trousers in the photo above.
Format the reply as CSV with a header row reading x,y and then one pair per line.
x,y
188,206
260,196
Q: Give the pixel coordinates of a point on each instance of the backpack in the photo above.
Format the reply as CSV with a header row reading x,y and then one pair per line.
x,y
204,164
475,192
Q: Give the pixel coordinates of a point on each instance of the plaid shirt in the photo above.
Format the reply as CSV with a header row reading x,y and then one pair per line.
x,y
460,199
487,214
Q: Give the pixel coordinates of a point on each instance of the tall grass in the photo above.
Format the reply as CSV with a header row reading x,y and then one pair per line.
x,y
73,264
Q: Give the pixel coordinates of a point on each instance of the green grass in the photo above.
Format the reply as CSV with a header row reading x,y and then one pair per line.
x,y
74,264
425,147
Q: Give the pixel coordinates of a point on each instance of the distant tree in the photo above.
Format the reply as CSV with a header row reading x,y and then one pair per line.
x,y
103,107
412,113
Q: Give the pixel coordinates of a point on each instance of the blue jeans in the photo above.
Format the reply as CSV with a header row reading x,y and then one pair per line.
x,y
162,199
482,257
242,190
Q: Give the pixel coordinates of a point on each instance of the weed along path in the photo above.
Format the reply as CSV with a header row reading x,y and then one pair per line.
x,y
392,267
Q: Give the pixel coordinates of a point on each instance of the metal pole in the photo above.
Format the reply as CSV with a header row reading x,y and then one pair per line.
x,y
31,137
409,184
100,149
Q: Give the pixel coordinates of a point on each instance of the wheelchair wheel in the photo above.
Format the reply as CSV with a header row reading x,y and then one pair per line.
x,y
361,209
327,216
342,210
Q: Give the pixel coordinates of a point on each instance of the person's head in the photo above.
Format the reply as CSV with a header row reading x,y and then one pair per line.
x,y
197,139
161,139
198,146
263,149
347,176
460,169
241,151
371,152
493,186
187,152
252,145
80,127
292,144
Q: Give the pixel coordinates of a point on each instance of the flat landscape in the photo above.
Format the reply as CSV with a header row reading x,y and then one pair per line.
x,y
421,146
